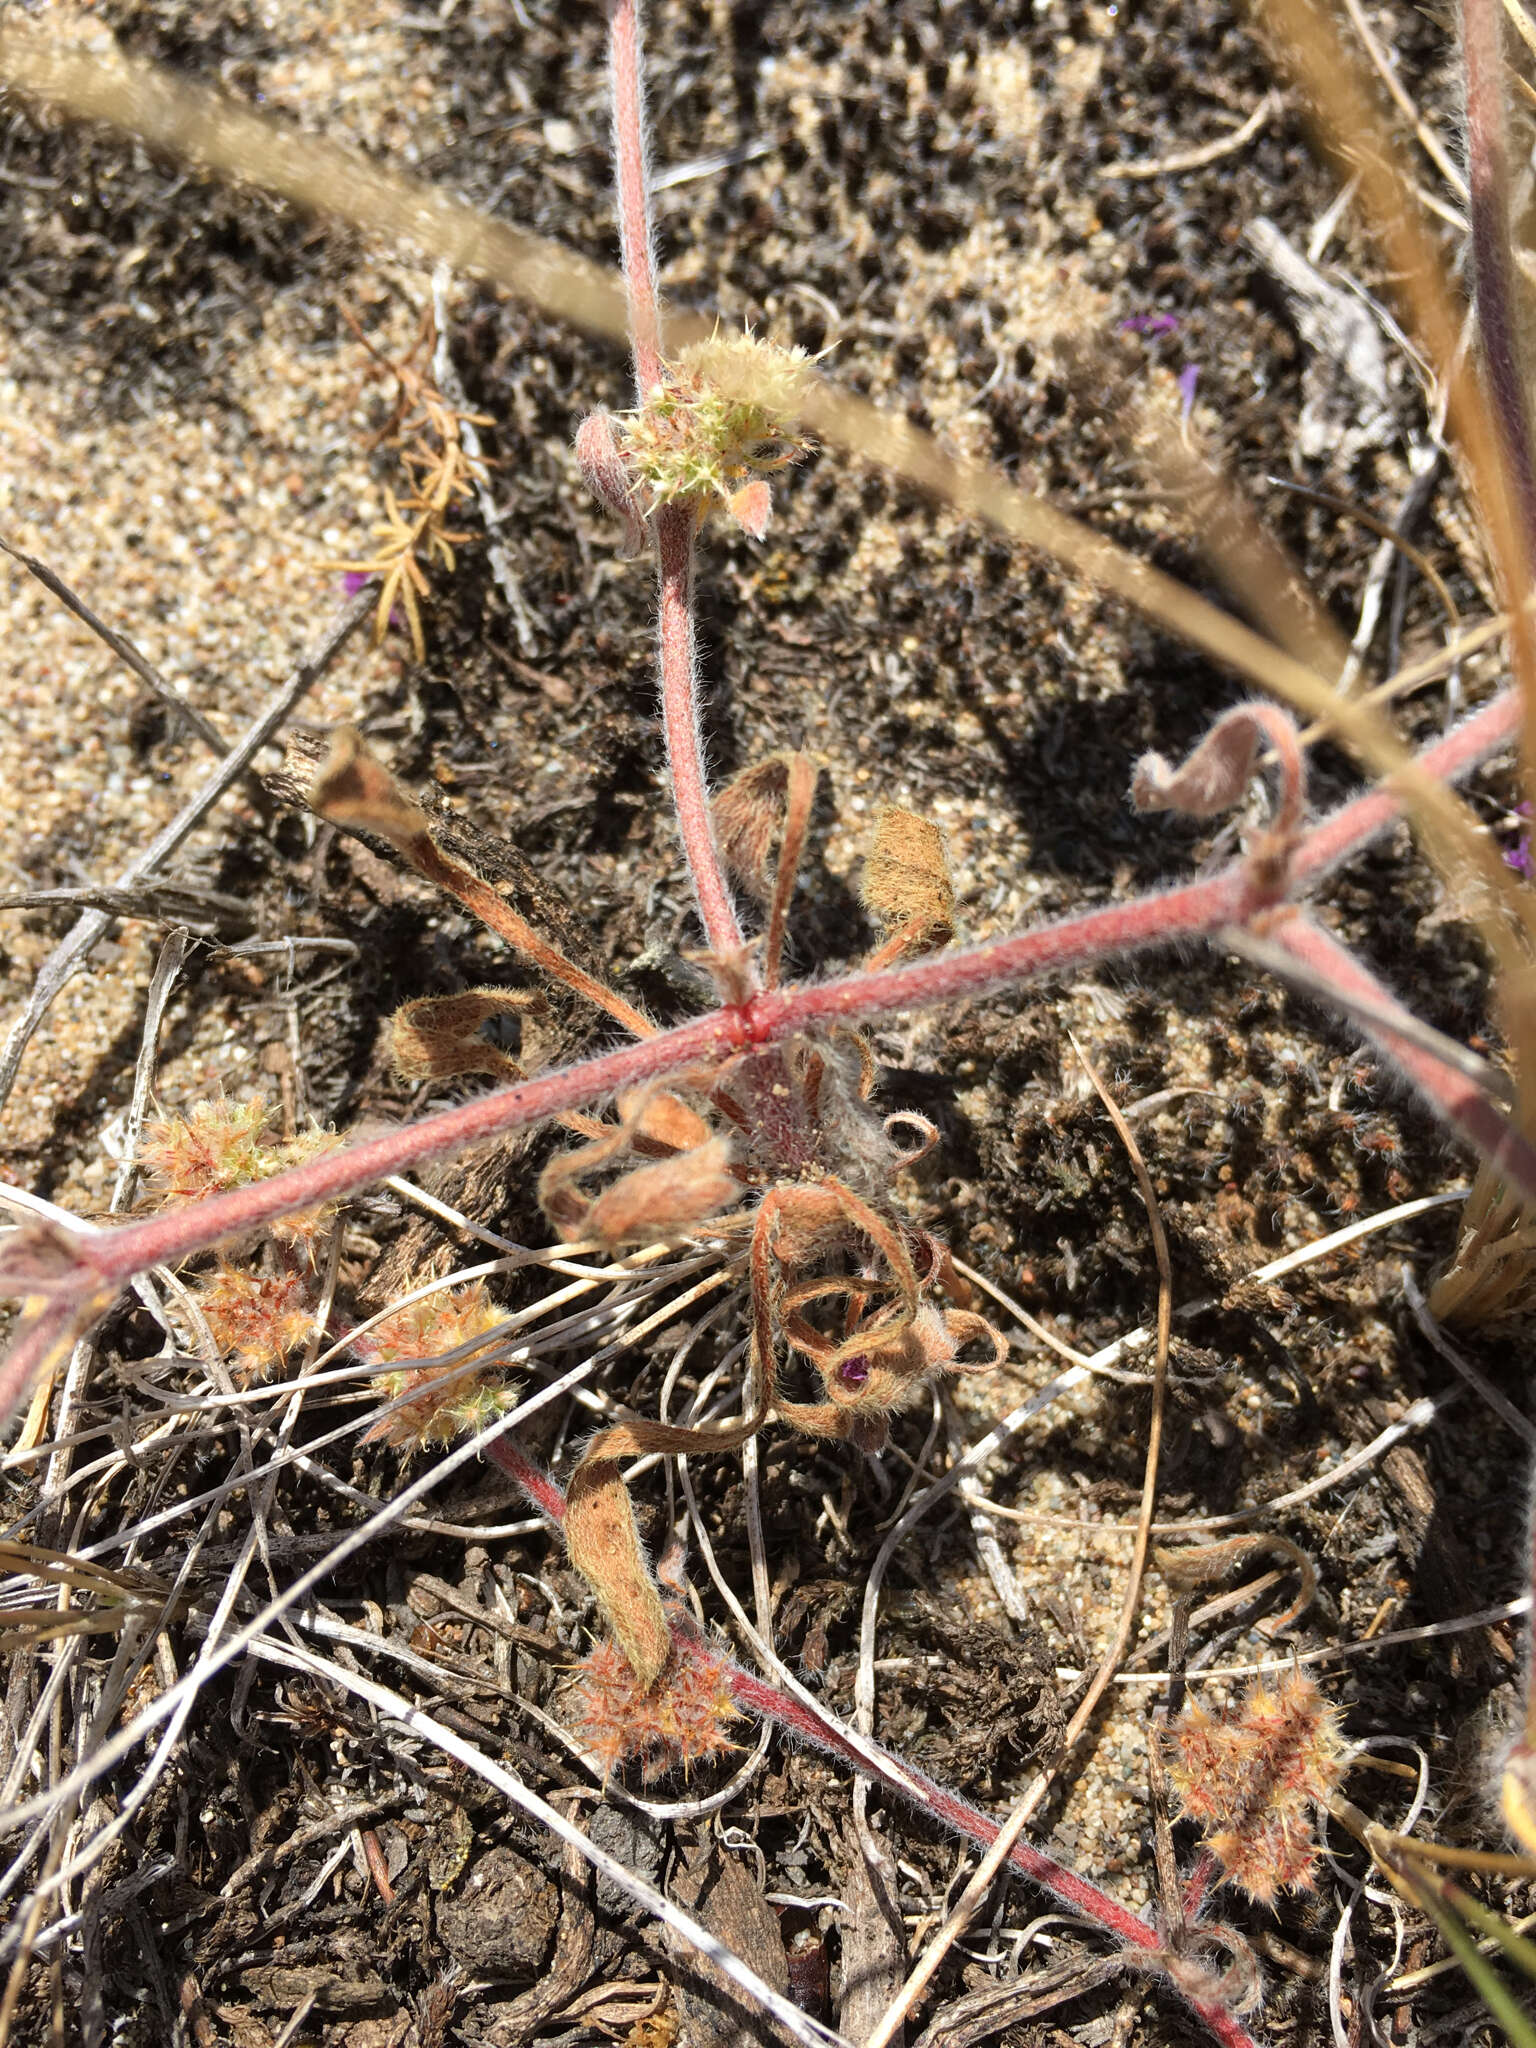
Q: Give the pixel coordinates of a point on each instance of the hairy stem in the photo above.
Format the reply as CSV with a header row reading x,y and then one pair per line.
x,y
46,1261
680,723
673,524
40,1261
1455,1099
637,247
1344,832
801,1718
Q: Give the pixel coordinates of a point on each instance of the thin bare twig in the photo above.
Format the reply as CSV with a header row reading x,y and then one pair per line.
x,y
123,648
161,982
69,955
1208,153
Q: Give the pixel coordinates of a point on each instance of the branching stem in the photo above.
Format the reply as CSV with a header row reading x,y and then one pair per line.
x,y
90,1261
802,1719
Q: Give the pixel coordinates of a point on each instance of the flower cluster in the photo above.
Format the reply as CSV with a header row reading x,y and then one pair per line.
x,y
218,1145
1252,1778
449,1396
678,1720
713,430
256,1318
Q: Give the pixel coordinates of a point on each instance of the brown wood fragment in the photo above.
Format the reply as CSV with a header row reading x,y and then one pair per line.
x,y
720,1891
874,1958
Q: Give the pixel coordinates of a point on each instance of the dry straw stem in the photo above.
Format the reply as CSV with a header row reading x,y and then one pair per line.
x,y
1354,128
230,141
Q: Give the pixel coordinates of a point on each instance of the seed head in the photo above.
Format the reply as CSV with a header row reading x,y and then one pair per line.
x,y
448,1400
678,1720
216,1145
1253,1776
259,1318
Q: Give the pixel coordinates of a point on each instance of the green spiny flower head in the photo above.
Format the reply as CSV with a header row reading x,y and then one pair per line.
x,y
718,424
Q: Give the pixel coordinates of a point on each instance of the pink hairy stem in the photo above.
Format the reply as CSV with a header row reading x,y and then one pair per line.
x,y
53,1262
1356,823
673,524
1456,1100
801,1719
680,722
631,171
764,1019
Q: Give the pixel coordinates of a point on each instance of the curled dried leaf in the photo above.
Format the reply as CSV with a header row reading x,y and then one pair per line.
x,y
604,1545
1216,774
666,1199
356,790
656,1118
749,820
437,1038
907,886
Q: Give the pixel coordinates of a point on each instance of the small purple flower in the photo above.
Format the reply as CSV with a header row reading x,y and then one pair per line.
x,y
1189,377
354,580
1519,856
853,1372
1150,325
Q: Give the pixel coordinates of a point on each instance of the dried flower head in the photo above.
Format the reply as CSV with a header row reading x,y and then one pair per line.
x,y
907,886
256,1318
450,1398
718,424
218,1145
1252,1776
678,1720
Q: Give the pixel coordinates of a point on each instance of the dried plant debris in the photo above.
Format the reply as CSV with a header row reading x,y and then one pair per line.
x,y
917,737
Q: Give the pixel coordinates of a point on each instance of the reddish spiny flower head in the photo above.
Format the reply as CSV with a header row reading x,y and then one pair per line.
x,y
452,1399
259,1318
1252,1777
679,1720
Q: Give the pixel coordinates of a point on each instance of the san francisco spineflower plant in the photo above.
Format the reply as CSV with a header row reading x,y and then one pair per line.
x,y
753,1125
